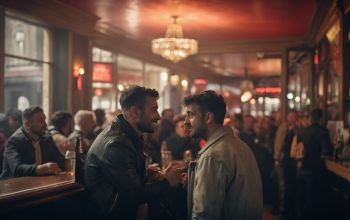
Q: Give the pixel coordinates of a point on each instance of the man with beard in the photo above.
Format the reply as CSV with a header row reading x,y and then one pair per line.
x,y
31,151
115,164
224,182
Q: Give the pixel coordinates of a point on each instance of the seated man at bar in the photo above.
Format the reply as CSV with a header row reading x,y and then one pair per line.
x,y
31,151
85,123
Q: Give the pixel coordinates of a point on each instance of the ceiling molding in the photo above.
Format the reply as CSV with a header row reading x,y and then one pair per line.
x,y
56,13
324,17
251,46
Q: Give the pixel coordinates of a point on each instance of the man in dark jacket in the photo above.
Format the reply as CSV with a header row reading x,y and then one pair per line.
x,y
115,164
312,184
31,151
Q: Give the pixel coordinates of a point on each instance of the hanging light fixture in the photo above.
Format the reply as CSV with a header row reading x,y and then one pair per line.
x,y
174,46
247,87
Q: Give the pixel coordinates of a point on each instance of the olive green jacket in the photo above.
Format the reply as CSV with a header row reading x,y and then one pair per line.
x,y
224,182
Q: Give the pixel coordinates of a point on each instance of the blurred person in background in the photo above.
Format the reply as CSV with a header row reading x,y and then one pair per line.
x,y
312,184
14,120
85,124
152,147
180,140
31,151
167,126
285,165
247,134
62,125
100,116
3,136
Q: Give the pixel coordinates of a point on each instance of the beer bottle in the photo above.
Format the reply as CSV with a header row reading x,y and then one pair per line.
x,y
79,160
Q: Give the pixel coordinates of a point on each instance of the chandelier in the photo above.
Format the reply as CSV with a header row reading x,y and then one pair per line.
x,y
174,46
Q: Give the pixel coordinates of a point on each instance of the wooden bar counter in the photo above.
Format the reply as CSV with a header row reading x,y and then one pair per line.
x,y
338,169
25,193
339,193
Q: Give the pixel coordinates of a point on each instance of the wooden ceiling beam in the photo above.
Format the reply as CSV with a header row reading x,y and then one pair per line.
x,y
324,17
277,45
55,13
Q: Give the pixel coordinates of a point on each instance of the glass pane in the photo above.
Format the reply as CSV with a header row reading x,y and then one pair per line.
x,y
158,77
26,40
129,71
100,55
298,93
24,83
104,98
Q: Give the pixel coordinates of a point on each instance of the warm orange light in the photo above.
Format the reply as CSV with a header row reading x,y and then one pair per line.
x,y
268,90
76,72
200,82
98,92
81,71
102,72
316,60
80,83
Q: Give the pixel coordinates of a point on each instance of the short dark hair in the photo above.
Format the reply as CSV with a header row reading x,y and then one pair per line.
x,y
209,101
15,114
316,115
60,118
136,96
100,116
28,112
166,110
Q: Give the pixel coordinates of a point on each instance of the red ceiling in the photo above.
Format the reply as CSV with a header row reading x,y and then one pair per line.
x,y
205,20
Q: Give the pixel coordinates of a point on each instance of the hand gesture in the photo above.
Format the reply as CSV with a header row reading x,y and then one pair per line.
x,y
172,175
154,172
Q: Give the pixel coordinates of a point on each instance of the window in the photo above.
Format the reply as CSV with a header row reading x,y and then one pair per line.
x,y
27,65
157,77
102,80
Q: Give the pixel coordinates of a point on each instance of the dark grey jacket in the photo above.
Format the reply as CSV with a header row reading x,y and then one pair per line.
x,y
115,172
19,155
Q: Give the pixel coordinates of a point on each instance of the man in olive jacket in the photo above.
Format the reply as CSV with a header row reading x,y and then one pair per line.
x,y
115,164
224,182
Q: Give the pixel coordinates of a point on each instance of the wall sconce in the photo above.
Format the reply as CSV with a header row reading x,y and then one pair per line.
x,y
78,72
81,71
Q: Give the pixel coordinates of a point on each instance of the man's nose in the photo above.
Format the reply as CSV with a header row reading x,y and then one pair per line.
x,y
186,121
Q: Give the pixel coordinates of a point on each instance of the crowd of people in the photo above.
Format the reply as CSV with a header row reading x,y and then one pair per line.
x,y
290,155
224,167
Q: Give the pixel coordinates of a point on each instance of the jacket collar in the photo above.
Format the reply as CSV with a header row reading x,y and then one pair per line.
x,y
129,131
29,138
218,134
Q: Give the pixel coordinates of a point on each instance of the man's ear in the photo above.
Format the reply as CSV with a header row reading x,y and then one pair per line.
x,y
209,117
135,111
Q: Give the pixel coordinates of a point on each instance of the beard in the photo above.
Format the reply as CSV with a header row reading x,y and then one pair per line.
x,y
38,131
200,132
145,125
